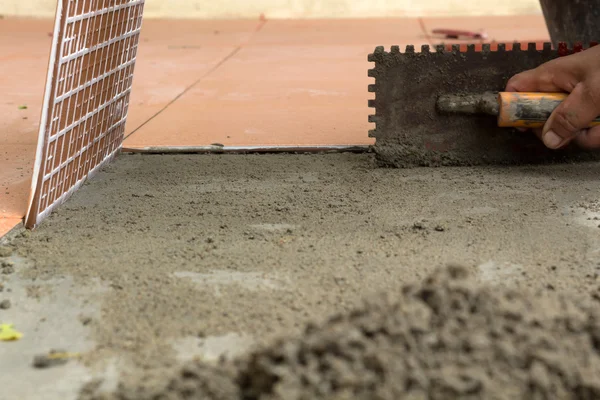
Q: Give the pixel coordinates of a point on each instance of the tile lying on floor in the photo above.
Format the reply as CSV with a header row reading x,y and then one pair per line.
x,y
17,165
498,29
7,224
175,54
368,32
25,47
296,84
270,96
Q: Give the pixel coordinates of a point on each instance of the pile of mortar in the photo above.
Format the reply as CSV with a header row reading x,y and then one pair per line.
x,y
444,338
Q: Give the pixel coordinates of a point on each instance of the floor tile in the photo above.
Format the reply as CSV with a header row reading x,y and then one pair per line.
x,y
190,34
161,76
16,165
498,29
7,224
271,96
25,48
296,84
368,32
175,54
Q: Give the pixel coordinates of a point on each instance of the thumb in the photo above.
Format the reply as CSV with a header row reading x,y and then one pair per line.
x,y
573,115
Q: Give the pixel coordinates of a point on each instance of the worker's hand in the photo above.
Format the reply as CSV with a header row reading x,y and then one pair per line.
x,y
579,75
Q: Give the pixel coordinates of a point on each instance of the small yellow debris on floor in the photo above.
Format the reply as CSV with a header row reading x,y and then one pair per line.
x,y
7,333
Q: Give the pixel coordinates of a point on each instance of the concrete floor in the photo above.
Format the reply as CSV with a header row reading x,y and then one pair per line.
x,y
164,258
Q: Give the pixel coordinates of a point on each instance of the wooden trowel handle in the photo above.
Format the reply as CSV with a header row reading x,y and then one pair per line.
x,y
529,110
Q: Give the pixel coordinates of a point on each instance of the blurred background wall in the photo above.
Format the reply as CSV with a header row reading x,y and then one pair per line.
x,y
218,9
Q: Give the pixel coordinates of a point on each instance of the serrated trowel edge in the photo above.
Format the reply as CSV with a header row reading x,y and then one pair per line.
x,y
384,61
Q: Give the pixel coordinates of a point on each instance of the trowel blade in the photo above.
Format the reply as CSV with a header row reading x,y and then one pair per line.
x,y
409,130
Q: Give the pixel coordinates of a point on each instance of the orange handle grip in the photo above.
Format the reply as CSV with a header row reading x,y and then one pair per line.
x,y
529,110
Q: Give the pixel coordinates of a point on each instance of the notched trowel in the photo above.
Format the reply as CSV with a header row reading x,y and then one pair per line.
x,y
448,107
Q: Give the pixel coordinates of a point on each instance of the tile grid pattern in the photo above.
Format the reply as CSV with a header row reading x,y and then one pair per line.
x,y
86,108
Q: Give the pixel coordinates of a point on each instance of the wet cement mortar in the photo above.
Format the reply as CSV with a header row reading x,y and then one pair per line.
x,y
445,337
308,236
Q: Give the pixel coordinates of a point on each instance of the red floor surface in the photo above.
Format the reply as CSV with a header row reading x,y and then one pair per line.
x,y
233,83
25,46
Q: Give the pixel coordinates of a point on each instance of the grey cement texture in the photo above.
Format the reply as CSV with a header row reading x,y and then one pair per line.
x,y
163,259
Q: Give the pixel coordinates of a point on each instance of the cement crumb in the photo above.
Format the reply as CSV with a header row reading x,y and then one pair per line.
x,y
7,267
5,251
54,358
